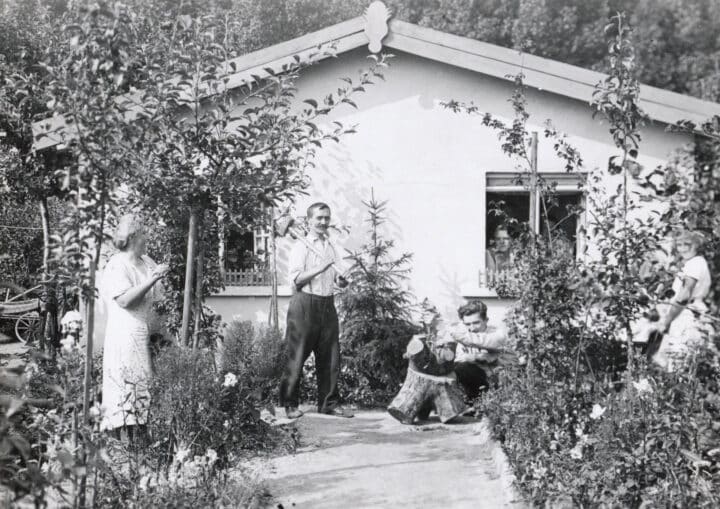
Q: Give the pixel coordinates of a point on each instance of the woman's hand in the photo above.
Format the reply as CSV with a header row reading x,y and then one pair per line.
x,y
160,271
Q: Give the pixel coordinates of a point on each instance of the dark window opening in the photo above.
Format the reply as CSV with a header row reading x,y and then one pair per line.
x,y
562,213
240,251
508,209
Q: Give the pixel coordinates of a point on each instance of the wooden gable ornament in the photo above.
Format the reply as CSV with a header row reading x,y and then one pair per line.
x,y
376,27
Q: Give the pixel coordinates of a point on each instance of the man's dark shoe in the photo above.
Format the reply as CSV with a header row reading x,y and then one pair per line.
x,y
338,411
293,412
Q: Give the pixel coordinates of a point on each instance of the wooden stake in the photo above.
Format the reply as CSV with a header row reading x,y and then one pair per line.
x,y
88,333
47,288
221,239
533,181
273,318
189,272
198,292
533,221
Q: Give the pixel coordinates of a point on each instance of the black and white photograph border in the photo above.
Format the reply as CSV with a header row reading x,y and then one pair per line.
x,y
341,253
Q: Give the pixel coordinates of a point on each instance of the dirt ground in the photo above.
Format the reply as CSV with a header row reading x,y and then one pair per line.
x,y
11,352
373,461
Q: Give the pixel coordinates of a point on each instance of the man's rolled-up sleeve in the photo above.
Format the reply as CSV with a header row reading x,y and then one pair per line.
x,y
496,340
296,263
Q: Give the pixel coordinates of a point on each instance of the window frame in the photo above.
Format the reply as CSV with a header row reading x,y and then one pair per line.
x,y
563,188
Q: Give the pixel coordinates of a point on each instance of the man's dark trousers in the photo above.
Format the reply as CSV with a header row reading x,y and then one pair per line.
x,y
312,326
472,378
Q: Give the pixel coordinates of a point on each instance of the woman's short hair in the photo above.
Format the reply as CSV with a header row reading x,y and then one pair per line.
x,y
472,307
128,226
696,238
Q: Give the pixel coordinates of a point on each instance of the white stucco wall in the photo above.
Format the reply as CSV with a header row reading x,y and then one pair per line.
x,y
427,162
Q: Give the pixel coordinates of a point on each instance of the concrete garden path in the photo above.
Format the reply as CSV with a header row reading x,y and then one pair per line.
x,y
373,461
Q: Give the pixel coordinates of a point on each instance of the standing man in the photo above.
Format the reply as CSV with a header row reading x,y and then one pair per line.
x,y
312,322
481,350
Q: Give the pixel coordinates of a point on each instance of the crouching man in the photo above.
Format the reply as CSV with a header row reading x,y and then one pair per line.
x,y
482,349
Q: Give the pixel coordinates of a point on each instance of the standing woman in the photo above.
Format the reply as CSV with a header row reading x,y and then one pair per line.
x,y
129,288
684,329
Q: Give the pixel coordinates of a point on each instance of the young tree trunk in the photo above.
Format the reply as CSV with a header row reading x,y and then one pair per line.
x,y
189,272
273,318
198,292
532,219
89,331
221,240
90,309
48,295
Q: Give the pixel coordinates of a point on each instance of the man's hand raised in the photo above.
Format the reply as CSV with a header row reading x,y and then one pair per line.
x,y
325,265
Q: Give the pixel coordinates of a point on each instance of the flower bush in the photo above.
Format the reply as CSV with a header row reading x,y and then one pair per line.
x,y
201,418
257,357
652,444
585,420
196,408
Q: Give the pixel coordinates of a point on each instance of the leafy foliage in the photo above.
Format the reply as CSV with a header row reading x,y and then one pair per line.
x,y
576,431
153,120
196,408
257,356
201,420
676,41
222,149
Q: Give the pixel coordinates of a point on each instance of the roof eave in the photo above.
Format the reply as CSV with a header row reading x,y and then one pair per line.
x,y
503,63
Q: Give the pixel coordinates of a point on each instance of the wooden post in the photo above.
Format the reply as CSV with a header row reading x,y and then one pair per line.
x,y
482,230
221,239
198,292
533,181
88,333
533,222
47,287
189,271
273,318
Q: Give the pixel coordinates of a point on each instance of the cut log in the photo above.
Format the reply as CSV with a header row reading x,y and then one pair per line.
x,y
445,355
415,392
414,347
422,393
449,401
428,358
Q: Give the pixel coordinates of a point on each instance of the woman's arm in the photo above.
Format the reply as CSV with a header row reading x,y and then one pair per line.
x,y
682,296
489,267
134,295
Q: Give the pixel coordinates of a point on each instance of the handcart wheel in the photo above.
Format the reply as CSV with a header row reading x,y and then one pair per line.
x,y
27,327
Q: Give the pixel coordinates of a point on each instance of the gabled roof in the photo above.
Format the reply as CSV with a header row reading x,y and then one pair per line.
x,y
541,73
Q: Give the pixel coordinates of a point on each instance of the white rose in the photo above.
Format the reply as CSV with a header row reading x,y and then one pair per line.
x,y
230,380
597,411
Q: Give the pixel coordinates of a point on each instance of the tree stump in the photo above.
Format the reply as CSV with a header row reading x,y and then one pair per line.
x,y
429,384
423,393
